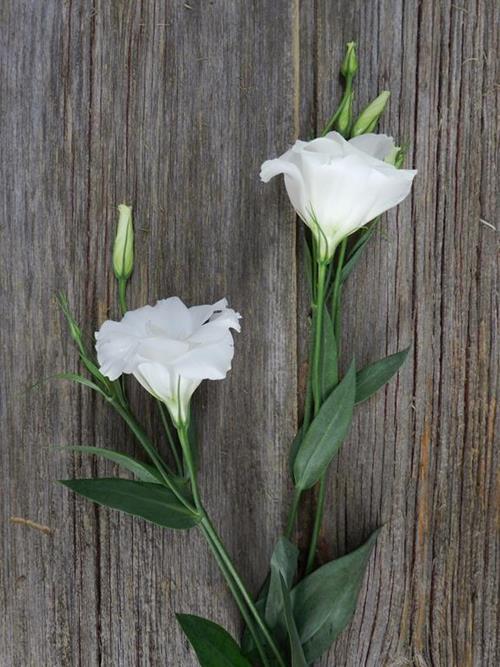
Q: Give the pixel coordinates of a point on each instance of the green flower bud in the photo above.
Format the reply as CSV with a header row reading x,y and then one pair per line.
x,y
123,249
350,65
370,115
343,120
74,329
397,156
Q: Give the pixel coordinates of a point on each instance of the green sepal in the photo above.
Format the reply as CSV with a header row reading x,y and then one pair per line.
x,y
152,502
371,378
325,601
326,433
214,646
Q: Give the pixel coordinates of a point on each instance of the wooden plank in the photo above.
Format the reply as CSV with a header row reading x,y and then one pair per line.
x,y
172,106
421,457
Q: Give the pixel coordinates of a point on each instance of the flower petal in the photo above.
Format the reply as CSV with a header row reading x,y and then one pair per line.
x,y
294,181
201,314
377,145
116,349
171,317
208,362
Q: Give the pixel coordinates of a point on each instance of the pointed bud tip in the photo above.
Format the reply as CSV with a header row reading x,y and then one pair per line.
x,y
350,64
369,117
123,249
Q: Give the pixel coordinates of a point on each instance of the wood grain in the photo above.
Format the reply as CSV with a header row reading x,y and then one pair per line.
x,y
171,106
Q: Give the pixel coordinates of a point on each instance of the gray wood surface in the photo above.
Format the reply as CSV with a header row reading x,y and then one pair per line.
x,y
171,106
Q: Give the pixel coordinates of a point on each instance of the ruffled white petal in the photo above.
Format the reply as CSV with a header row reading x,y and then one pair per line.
x,y
170,348
201,314
208,362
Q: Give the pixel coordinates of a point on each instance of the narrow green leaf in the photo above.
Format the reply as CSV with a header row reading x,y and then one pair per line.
x,y
329,362
80,379
357,251
283,565
294,448
296,651
213,645
152,502
326,433
371,378
325,601
144,471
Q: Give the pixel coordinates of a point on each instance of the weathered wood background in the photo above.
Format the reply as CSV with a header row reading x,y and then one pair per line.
x,y
171,105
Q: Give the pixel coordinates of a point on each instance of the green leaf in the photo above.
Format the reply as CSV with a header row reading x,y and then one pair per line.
x,y
144,471
213,645
80,379
326,433
372,377
325,601
283,565
294,448
329,362
296,651
152,502
357,250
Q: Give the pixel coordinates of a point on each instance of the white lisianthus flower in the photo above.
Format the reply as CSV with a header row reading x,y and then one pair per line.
x,y
170,349
337,186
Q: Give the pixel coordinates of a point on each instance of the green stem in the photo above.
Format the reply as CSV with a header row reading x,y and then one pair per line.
x,y
209,529
337,282
314,384
319,310
244,593
347,91
136,429
320,505
122,291
168,432
318,519
237,596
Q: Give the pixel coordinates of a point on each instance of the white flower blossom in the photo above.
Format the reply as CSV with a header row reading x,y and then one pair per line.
x,y
337,186
170,349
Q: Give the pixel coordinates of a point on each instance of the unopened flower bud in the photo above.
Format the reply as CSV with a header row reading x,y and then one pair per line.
x,y
369,117
343,120
123,249
349,66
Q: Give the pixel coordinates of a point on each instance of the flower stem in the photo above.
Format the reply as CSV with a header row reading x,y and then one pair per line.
x,y
336,292
315,375
122,291
168,432
215,541
236,595
136,429
318,519
319,311
320,504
